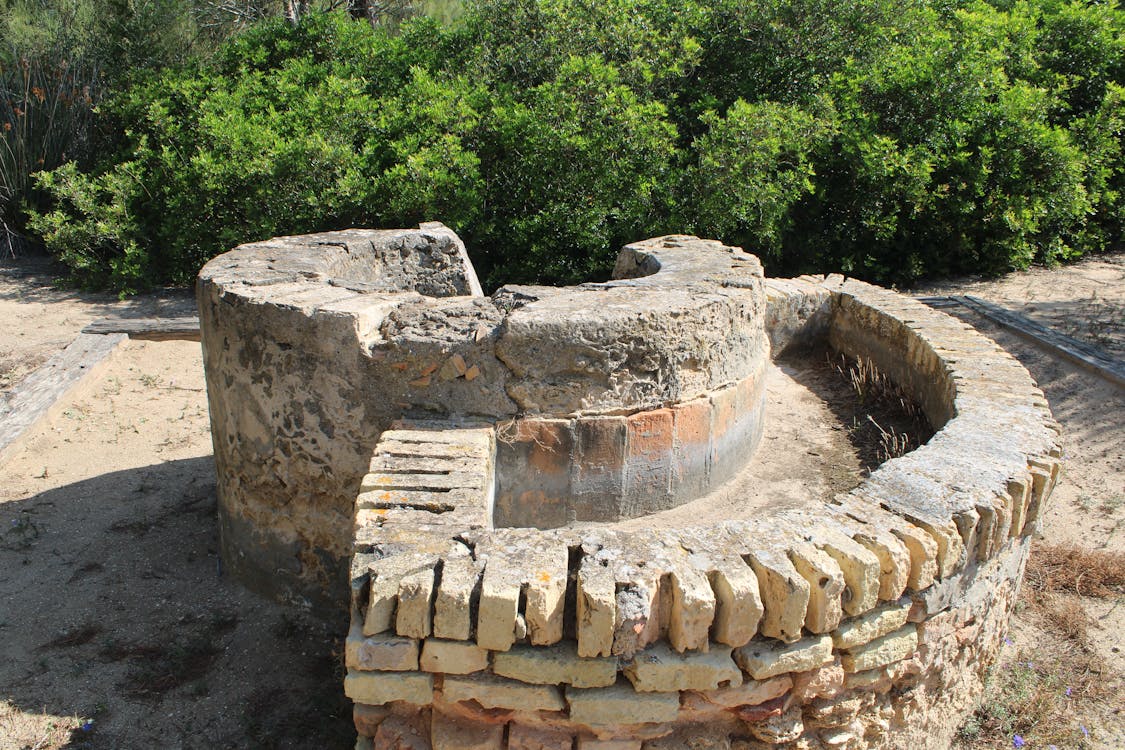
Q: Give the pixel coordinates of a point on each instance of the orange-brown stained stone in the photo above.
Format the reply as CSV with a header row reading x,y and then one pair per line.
x,y
533,468
598,474
548,443
691,448
649,461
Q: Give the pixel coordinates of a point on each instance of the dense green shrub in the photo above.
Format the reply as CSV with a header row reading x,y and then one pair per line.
x,y
886,140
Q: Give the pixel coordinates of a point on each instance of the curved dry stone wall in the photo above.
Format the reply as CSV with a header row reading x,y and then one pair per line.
x,y
313,345
494,601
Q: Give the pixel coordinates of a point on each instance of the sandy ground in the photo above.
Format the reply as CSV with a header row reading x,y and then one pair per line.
x,y
119,630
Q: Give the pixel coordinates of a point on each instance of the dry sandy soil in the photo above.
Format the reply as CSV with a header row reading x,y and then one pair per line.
x,y
118,628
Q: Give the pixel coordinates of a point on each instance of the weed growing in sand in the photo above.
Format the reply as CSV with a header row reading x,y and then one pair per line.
x,y
888,423
1038,697
150,381
1047,696
21,533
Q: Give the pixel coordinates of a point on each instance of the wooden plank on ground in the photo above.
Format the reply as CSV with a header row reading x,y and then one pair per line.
x,y
36,396
152,329
1082,354
939,302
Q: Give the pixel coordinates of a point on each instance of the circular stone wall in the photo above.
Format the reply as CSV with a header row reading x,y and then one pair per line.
x,y
313,345
495,601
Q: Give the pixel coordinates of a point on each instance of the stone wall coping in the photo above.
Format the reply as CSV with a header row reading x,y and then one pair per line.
x,y
918,520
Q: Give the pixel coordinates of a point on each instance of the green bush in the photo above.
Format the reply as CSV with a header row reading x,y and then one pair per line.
x,y
885,140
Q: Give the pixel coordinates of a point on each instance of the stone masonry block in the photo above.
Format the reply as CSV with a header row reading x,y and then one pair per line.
x,y
785,595
826,587
620,704
874,624
414,616
693,608
497,692
765,659
691,448
377,688
380,652
453,602
859,565
598,475
447,733
1019,490
597,608
499,606
648,462
544,586
882,651
533,460
523,737
453,657
751,692
660,669
738,605
555,665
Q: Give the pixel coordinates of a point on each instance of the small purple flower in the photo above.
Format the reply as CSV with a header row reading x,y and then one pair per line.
x,y
1068,692
1008,641
1085,731
1018,741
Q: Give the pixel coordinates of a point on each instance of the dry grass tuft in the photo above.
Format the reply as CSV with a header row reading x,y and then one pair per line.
x,y
1070,569
78,636
1040,695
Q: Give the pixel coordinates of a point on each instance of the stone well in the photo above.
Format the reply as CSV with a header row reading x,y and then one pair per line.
x,y
474,462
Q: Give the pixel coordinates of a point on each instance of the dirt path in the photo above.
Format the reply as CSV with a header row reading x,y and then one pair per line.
x,y
1074,644
117,629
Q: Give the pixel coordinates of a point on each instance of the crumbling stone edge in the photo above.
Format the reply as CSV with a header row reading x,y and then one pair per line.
x,y
868,624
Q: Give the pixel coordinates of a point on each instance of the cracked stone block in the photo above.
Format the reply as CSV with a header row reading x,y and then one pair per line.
x,y
874,624
620,704
497,692
453,657
376,688
555,665
763,659
660,669
882,651
380,652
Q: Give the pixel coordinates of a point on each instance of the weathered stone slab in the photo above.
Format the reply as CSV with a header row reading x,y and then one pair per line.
x,y
874,624
376,688
660,669
555,665
882,651
380,652
453,657
750,692
620,704
764,659
497,692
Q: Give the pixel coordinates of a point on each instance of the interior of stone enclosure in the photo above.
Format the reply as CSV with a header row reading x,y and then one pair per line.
x,y
572,558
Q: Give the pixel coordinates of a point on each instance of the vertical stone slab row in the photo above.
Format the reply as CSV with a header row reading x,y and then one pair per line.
x,y
859,627
553,472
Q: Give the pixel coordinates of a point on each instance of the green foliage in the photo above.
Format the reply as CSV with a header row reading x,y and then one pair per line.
x,y
887,140
573,168
754,163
